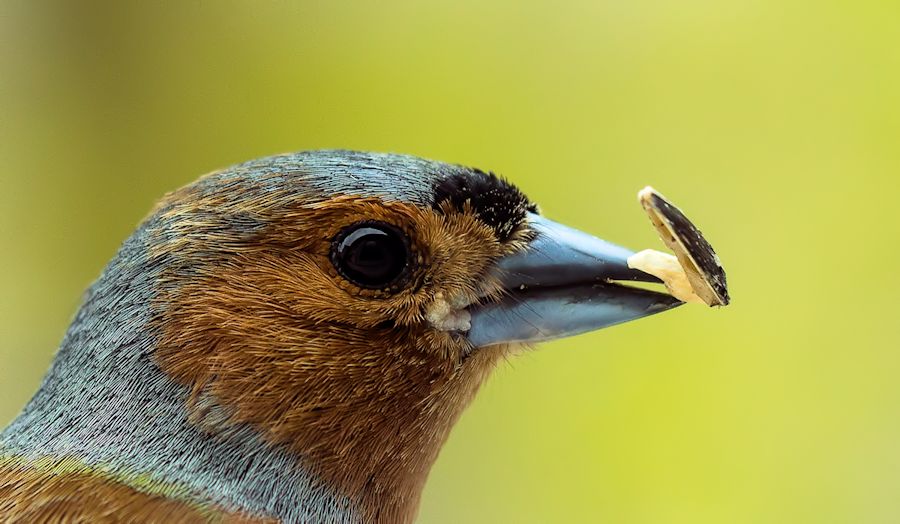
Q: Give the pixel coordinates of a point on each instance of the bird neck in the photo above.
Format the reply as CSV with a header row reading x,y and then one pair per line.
x,y
105,404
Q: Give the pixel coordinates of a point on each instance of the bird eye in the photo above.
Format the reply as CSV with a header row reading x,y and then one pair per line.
x,y
372,255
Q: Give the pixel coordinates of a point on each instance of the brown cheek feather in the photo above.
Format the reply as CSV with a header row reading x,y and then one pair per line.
x,y
353,381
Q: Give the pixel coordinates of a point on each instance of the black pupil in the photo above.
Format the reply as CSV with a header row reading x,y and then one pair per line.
x,y
371,256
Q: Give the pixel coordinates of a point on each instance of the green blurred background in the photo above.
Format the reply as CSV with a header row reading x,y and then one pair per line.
x,y
775,124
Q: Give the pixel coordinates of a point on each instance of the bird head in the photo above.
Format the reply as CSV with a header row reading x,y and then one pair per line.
x,y
346,306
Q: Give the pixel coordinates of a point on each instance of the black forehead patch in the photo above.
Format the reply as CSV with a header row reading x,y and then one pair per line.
x,y
501,205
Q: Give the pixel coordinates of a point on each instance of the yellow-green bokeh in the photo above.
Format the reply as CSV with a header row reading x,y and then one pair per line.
x,y
774,124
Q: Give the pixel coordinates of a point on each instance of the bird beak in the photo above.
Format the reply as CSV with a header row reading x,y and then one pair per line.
x,y
565,282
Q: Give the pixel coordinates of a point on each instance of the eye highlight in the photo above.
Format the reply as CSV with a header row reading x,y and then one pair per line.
x,y
371,254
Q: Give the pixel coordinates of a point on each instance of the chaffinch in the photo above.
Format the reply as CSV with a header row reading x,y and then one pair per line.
x,y
291,340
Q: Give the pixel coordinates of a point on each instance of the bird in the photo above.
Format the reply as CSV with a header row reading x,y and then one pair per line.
x,y
291,339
